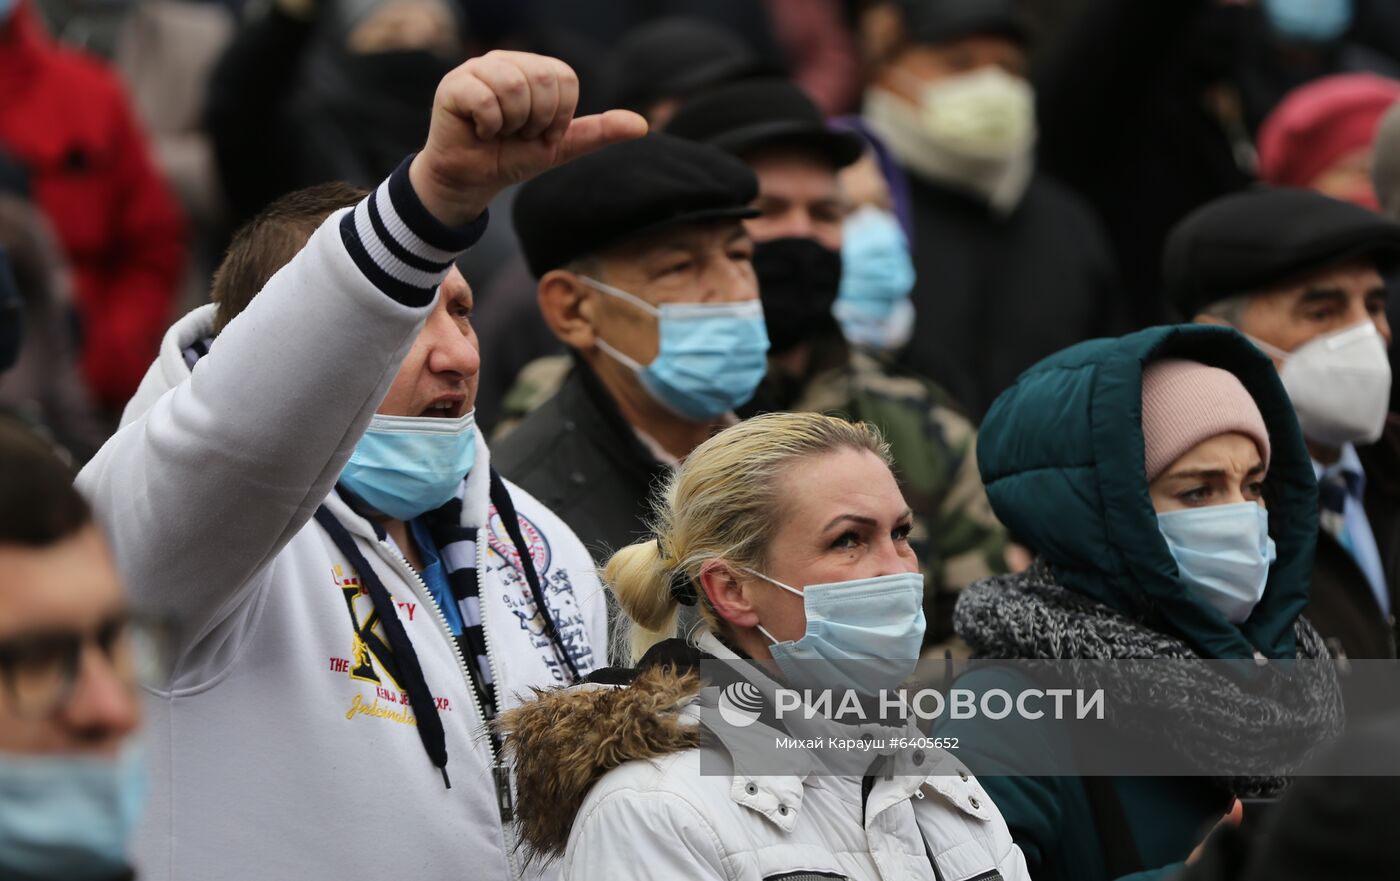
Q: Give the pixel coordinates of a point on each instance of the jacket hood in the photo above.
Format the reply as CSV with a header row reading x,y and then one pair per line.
x,y
1061,453
564,740
170,367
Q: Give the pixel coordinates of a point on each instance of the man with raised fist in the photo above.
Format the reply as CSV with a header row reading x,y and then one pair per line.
x,y
356,591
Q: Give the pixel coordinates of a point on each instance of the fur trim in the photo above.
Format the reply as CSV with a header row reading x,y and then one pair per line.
x,y
567,738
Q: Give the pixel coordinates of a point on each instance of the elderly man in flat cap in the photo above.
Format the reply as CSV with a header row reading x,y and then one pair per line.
x,y
1300,274
646,275
779,133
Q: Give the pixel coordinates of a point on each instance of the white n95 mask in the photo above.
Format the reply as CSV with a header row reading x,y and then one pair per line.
x,y
1339,384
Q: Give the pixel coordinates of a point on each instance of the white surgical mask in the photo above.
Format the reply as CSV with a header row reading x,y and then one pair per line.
x,y
1339,384
975,131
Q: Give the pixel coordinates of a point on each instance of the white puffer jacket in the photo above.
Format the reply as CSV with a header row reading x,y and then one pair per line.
x,y
661,811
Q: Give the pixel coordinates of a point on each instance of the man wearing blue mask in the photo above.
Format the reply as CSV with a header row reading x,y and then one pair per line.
x,y
653,290
1300,274
329,714
800,236
70,775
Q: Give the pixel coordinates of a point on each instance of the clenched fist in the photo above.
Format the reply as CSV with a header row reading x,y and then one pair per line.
x,y
500,119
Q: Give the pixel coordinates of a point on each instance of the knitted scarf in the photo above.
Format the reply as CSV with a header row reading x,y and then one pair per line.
x,y
1218,724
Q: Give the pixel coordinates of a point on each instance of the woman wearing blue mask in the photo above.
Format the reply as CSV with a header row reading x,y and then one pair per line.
x,y
1162,480
789,535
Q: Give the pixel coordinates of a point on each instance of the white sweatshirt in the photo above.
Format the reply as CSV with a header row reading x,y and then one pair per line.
x,y
281,749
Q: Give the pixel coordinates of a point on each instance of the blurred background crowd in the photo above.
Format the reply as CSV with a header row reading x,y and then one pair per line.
x,y
136,135
935,196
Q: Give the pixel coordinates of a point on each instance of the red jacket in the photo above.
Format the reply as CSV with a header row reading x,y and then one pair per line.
x,y
65,117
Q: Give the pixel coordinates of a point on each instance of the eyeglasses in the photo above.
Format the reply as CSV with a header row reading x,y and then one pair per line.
x,y
39,671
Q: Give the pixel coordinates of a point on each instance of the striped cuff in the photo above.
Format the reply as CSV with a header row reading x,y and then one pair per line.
x,y
399,246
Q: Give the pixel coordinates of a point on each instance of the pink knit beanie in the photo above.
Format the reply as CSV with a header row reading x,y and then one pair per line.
x,y
1186,402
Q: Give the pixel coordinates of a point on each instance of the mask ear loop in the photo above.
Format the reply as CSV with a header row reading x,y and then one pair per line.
x,y
622,295
1271,351
606,347
776,583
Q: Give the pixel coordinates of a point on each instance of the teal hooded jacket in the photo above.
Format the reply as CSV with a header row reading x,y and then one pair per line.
x,y
1061,453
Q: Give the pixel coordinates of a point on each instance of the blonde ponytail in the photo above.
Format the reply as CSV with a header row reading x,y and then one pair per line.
x,y
641,582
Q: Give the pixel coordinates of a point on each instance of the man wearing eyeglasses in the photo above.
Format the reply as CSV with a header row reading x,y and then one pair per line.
x,y
70,776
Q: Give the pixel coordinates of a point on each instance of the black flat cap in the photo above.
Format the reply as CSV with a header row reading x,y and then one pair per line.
x,y
673,57
623,191
743,116
1246,241
939,21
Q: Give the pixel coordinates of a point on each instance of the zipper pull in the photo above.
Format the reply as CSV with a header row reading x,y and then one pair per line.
x,y
504,799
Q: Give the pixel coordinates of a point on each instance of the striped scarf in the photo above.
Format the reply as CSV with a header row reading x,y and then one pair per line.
x,y
457,548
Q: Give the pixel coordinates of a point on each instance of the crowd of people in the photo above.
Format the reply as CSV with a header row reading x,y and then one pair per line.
x,y
405,405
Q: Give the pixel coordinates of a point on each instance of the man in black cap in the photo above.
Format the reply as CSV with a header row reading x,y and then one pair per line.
x,y
1011,265
1300,274
780,134
652,69
645,274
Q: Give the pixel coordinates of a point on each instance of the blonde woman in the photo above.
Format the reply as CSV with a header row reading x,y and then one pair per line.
x,y
789,534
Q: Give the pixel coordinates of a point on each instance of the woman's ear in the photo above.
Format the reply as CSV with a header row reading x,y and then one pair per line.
x,y
727,595
567,306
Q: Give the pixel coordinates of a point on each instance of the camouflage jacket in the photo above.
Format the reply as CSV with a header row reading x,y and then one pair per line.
x,y
956,535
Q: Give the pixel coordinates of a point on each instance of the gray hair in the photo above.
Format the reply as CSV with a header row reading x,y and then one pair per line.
x,y
1229,310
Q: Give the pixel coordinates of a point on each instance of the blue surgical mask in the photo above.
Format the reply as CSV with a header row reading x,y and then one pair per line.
x,y
711,358
877,275
1310,21
404,466
68,817
863,634
1223,553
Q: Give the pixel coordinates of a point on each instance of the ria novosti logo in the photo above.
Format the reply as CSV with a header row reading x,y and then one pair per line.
x,y
740,703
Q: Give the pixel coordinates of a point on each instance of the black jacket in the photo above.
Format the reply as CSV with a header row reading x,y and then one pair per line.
x,y
1124,121
283,116
997,294
578,456
1343,607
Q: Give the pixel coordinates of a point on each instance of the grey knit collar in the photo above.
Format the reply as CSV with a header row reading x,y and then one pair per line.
x,y
1030,616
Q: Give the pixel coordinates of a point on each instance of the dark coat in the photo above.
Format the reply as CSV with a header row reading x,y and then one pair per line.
x,y
1124,121
581,459
996,294
1343,607
1327,825
1062,455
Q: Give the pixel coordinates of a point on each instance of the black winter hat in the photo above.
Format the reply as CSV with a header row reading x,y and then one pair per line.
x,y
743,116
1246,241
624,190
675,56
939,21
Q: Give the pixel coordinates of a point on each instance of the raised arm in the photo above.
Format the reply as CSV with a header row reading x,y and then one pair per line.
x,y
201,492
